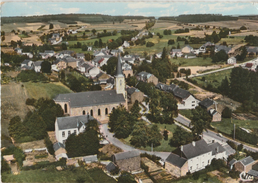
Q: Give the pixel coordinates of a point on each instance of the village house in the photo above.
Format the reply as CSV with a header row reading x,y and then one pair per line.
x,y
27,65
134,94
90,159
80,56
222,47
88,69
64,62
176,52
128,161
251,50
102,52
102,78
216,116
47,54
99,61
245,164
37,66
18,50
98,104
126,44
202,49
65,53
65,126
231,60
30,55
60,151
110,167
189,55
128,58
147,77
211,107
193,157
187,49
127,70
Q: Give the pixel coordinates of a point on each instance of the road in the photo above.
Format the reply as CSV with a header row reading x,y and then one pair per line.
x,y
109,136
183,120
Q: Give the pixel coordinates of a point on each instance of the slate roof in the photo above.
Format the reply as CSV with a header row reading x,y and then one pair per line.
x,y
119,71
72,122
212,112
200,148
111,166
232,162
92,158
252,49
246,161
38,63
253,173
176,50
216,148
58,145
222,47
80,55
90,98
26,61
127,155
206,103
49,51
181,93
67,52
132,90
144,74
176,160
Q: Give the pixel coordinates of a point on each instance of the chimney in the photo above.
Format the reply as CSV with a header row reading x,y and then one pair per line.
x,y
193,143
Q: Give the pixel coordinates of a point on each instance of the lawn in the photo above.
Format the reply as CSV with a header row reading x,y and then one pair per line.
x,y
52,175
214,79
46,90
201,179
165,147
234,41
198,61
23,35
226,126
187,113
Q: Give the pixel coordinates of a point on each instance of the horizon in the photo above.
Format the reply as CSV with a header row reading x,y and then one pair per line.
x,y
147,9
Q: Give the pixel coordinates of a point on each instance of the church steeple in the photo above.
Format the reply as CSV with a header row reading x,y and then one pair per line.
x,y
120,79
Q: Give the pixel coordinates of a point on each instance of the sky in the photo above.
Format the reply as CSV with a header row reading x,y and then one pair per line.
x,y
129,8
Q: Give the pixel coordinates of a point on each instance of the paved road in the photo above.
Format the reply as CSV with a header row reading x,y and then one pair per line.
x,y
118,143
183,120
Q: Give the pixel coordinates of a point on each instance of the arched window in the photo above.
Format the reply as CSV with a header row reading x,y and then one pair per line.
x,y
65,108
63,134
83,112
99,112
91,112
106,111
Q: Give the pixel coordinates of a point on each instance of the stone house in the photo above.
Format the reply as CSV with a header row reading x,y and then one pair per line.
x,y
193,157
27,65
245,165
187,49
134,94
128,161
216,116
98,104
211,107
147,77
60,151
37,66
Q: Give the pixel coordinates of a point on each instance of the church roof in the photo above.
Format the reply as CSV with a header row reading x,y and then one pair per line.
x,y
119,71
90,98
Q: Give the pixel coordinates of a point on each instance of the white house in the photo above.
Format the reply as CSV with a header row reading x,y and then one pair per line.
x,y
187,49
126,44
27,65
89,48
80,56
88,69
30,55
176,52
193,157
126,66
65,126
18,50
231,60
37,66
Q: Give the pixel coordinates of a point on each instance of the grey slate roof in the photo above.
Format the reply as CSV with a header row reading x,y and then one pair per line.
x,y
91,158
131,90
144,74
49,51
127,155
91,98
119,71
80,55
252,49
206,103
222,47
58,145
247,160
176,160
26,61
181,93
216,148
232,162
111,166
73,122
253,173
38,63
200,148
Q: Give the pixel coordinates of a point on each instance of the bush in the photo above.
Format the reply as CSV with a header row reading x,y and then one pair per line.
x,y
150,44
226,113
31,101
196,175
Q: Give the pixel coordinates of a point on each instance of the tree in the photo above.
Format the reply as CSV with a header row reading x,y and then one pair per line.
x,y
3,38
110,68
180,137
135,110
220,56
49,145
139,135
62,75
149,44
93,31
226,113
51,26
96,43
224,87
164,53
126,177
171,41
100,43
200,120
154,136
64,46
46,67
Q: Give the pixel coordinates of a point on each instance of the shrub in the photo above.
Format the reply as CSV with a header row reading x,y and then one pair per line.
x,y
31,101
226,113
150,44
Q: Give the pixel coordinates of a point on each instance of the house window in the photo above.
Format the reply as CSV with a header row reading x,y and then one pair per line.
x,y
106,111
208,162
83,112
69,132
193,105
99,112
193,101
65,108
74,132
91,112
196,165
63,141
63,134
190,167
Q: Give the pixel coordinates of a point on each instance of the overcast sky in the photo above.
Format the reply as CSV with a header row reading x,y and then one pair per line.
x,y
128,8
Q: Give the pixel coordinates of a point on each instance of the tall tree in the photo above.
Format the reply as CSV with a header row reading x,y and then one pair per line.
x,y
164,53
224,87
46,67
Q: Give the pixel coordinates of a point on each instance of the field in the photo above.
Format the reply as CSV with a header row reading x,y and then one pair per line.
x,y
214,79
187,113
13,97
192,61
226,126
165,147
46,90
52,175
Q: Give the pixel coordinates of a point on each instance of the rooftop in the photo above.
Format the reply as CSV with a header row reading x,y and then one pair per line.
x,y
57,146
127,155
199,148
206,103
176,160
246,161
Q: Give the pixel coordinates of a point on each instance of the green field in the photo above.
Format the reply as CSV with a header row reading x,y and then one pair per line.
x,y
46,90
226,126
214,79
165,147
198,61
52,175
235,40
201,179
23,36
186,112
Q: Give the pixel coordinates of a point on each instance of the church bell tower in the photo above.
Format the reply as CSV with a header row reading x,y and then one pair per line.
x,y
120,79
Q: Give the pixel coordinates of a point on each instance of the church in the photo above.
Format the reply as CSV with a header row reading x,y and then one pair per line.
x,y
98,104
